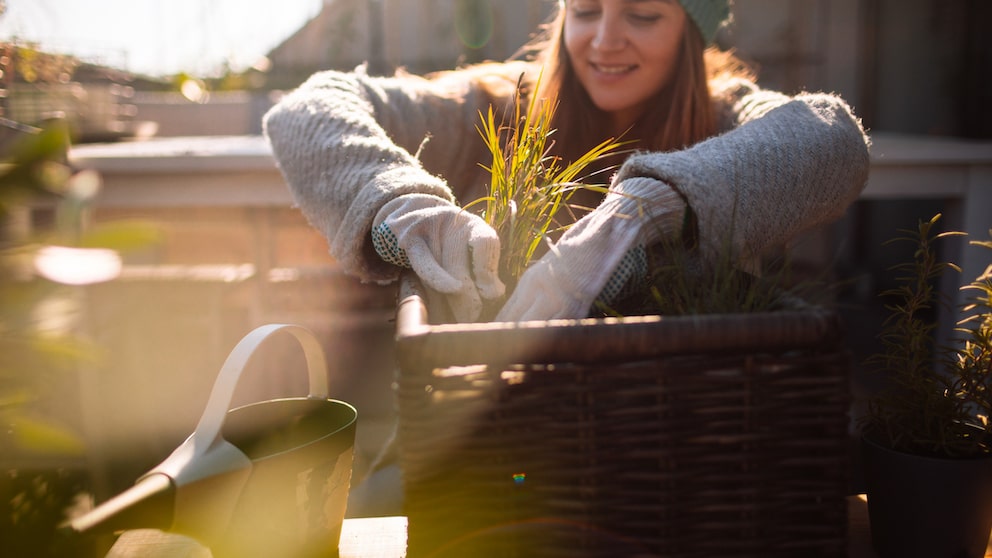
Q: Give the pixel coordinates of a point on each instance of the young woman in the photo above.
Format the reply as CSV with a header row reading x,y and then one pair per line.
x,y
379,165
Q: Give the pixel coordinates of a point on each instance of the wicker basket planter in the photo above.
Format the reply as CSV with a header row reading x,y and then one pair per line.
x,y
718,435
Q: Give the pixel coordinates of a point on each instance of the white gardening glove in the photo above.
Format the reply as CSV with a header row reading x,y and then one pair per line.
x,y
451,250
572,275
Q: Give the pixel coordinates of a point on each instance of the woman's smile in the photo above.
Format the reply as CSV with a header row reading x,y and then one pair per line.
x,y
613,69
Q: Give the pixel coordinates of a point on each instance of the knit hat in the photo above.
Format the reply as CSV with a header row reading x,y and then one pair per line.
x,y
708,15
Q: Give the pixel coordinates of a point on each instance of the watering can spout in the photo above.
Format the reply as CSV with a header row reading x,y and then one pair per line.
x,y
149,504
194,492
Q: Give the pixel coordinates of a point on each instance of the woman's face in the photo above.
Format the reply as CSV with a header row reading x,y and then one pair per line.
x,y
623,51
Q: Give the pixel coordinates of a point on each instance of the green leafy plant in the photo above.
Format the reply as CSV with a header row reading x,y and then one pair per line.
x,y
529,187
29,353
939,399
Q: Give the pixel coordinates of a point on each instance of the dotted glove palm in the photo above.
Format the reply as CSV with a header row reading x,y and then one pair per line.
x,y
451,250
593,258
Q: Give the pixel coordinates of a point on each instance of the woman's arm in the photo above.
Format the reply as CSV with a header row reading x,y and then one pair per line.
x,y
348,143
788,164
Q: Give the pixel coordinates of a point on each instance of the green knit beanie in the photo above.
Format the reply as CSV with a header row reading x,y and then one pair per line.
x,y
708,15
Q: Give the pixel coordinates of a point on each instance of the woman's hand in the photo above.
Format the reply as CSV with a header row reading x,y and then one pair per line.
x,y
595,251
451,250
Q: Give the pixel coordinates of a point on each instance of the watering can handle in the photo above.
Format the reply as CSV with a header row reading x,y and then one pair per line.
x,y
208,429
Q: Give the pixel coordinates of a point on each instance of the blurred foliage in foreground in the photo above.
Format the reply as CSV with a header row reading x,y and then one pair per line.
x,y
42,475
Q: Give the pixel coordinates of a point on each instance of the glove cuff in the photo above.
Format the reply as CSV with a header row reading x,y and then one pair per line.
x,y
388,247
627,277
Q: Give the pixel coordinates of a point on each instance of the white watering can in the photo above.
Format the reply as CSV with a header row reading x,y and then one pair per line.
x,y
265,479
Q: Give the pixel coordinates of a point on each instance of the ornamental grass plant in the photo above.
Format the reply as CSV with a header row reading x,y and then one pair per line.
x,y
530,188
677,285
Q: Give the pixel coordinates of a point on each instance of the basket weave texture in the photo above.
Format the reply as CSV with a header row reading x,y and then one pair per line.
x,y
694,436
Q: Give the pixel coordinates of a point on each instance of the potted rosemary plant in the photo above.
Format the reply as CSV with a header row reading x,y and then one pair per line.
x,y
927,437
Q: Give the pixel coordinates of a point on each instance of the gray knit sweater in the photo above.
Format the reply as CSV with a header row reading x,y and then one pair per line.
x,y
347,143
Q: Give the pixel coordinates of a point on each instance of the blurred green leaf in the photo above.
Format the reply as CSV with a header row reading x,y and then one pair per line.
x,y
41,437
34,167
122,235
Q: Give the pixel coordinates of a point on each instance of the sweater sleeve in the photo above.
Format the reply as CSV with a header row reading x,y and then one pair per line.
x,y
786,165
347,143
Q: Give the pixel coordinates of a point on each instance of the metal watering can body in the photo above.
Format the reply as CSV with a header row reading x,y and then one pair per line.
x,y
266,479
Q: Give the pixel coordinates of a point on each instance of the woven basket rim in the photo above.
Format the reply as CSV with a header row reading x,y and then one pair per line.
x,y
422,343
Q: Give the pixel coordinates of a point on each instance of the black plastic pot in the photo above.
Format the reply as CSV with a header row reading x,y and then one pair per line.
x,y
924,507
